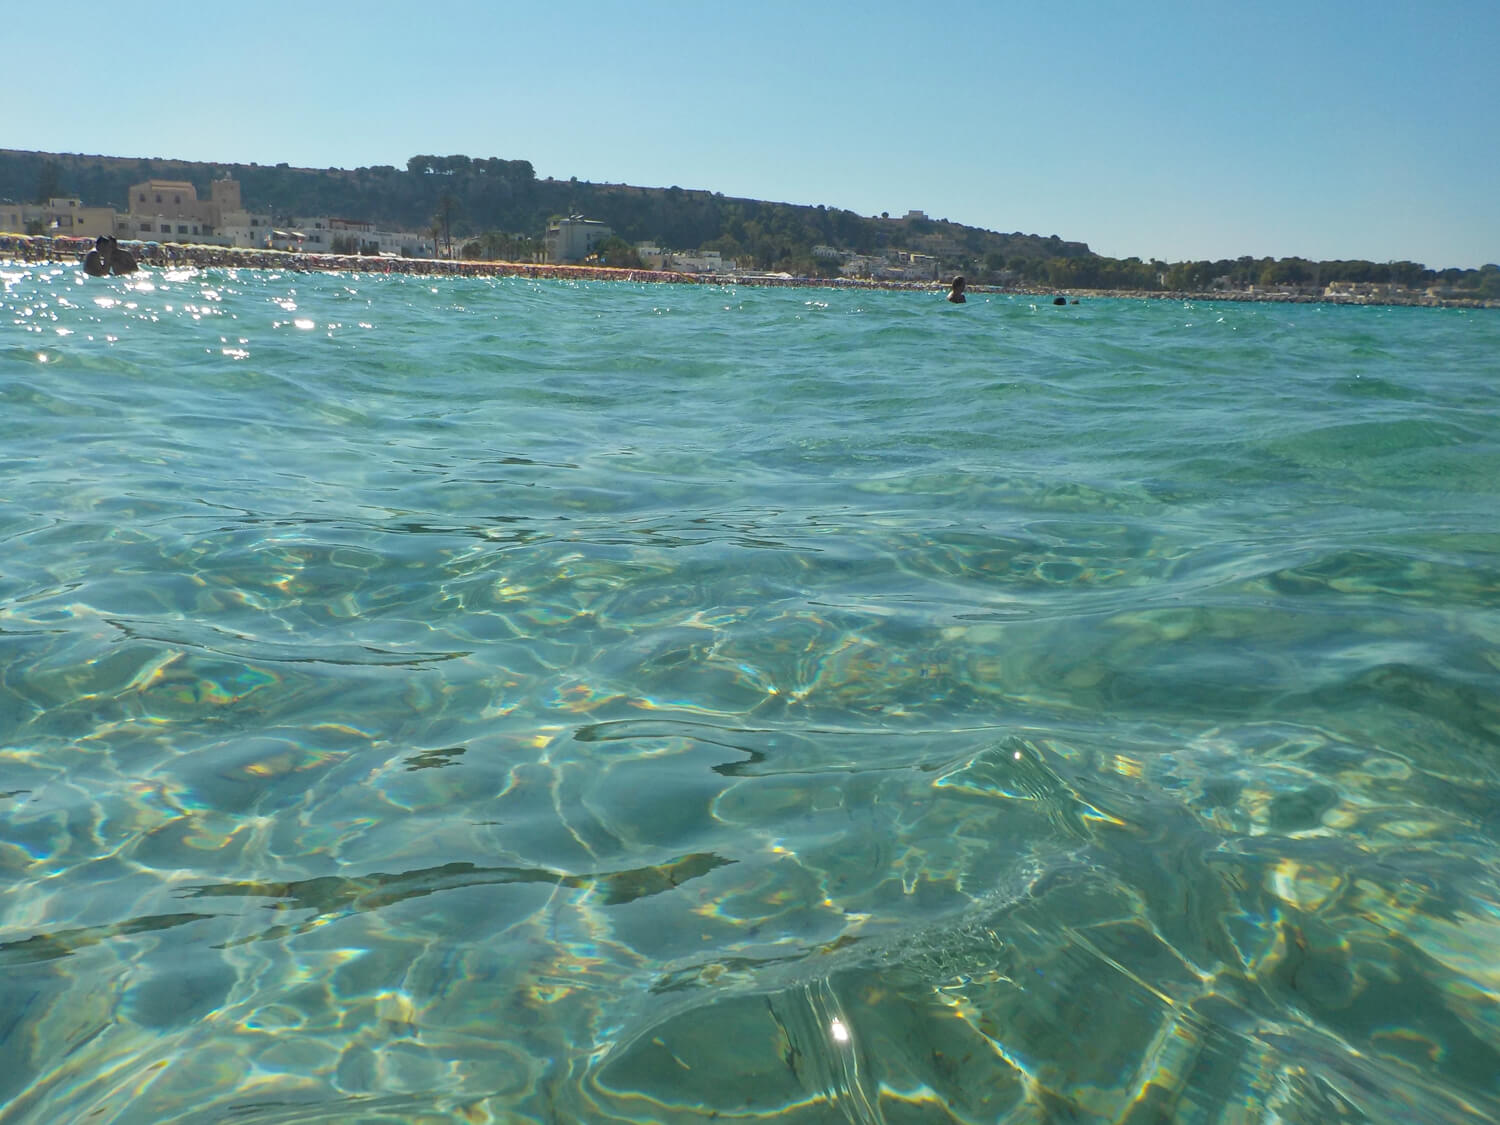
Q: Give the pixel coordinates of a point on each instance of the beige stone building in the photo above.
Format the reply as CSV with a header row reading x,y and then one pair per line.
x,y
170,211
60,217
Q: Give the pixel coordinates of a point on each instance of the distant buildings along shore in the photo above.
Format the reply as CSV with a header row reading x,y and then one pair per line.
x,y
170,211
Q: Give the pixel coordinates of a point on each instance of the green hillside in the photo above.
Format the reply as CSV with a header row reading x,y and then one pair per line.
x,y
499,209
505,198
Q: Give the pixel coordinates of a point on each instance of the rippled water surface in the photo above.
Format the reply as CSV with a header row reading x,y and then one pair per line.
x,y
504,701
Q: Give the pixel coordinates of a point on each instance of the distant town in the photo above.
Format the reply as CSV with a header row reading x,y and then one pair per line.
x,y
170,211
480,210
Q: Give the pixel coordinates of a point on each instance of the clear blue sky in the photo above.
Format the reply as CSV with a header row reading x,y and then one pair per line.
x,y
1328,129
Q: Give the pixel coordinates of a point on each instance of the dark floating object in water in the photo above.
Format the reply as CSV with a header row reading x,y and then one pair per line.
x,y
1059,300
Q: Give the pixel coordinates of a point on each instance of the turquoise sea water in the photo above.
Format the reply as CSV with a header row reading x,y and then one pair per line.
x,y
510,701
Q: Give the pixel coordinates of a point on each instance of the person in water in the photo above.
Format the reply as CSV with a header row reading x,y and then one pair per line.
x,y
120,259
108,256
97,263
956,294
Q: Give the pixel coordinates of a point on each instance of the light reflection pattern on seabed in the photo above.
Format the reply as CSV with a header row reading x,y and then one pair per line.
x,y
760,737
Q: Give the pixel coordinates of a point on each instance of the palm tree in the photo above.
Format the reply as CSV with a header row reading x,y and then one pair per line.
x,y
443,220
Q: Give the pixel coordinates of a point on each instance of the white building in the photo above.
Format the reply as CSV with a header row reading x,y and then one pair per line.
x,y
573,239
325,234
687,261
316,235
703,261
250,229
860,265
652,256
907,265
163,228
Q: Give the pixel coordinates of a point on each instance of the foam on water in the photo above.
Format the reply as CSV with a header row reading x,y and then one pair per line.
x,y
491,700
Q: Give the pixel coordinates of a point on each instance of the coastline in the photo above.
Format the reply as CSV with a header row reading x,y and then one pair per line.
x,y
41,248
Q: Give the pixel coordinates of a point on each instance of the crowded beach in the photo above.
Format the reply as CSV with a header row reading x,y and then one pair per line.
x,y
172,255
